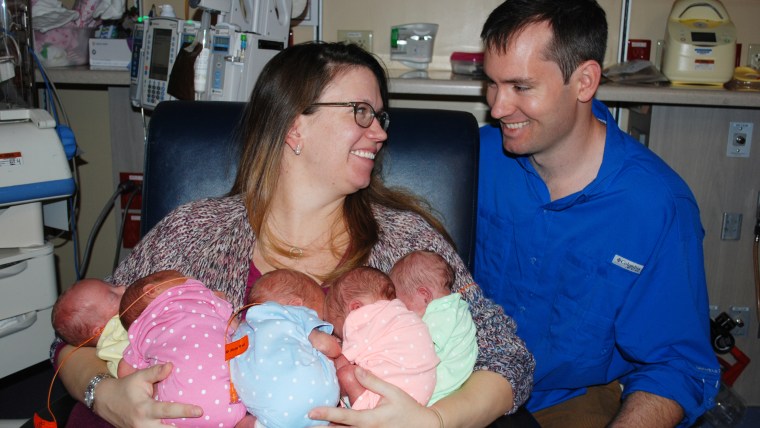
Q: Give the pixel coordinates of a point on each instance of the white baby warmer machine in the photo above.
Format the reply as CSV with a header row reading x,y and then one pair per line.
x,y
35,177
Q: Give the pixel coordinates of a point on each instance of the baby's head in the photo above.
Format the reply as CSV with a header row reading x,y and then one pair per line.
x,y
354,289
421,277
84,309
140,293
288,287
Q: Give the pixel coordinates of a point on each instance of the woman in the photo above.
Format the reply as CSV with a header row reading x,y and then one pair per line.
x,y
308,197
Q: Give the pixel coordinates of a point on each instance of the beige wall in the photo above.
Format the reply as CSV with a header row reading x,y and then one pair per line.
x,y
459,23
88,113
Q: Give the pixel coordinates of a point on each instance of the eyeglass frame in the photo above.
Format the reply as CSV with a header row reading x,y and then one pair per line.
x,y
384,123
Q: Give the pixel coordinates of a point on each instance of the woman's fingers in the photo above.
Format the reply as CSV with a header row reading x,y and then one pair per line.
x,y
395,409
131,402
377,385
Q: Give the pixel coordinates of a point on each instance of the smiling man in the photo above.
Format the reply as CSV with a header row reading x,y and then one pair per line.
x,y
585,237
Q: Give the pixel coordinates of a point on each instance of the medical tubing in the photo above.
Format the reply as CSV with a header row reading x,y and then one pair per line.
x,y
74,240
50,88
48,91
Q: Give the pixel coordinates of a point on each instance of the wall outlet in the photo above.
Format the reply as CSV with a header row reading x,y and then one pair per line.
x,y
739,139
732,227
362,38
740,314
753,55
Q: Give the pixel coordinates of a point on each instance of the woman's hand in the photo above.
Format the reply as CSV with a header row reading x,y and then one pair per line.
x,y
128,402
395,409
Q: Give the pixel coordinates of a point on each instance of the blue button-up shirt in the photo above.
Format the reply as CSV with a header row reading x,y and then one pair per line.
x,y
607,283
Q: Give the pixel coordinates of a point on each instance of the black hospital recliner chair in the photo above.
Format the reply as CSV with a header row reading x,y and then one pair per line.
x,y
191,153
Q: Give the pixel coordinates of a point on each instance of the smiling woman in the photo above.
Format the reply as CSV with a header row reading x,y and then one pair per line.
x,y
308,179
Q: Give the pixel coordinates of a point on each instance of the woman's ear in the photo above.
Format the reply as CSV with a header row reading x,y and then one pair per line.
x,y
294,139
588,75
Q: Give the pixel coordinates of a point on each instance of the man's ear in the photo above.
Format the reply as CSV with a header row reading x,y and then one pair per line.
x,y
588,75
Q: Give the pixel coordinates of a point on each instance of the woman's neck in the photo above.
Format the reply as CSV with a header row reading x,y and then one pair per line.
x,y
311,237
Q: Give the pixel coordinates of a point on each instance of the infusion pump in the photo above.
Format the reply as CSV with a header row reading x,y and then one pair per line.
x,y
228,65
156,44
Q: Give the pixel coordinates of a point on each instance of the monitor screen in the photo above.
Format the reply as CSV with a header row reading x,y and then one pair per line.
x,y
159,56
703,37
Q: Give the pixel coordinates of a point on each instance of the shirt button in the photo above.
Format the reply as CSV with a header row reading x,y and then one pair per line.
x,y
532,260
522,308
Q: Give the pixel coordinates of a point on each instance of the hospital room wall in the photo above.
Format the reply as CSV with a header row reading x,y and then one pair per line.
x,y
89,118
460,23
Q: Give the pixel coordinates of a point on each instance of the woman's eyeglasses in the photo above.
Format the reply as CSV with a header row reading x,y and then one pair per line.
x,y
363,113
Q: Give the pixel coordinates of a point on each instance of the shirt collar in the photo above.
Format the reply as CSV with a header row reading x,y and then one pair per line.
x,y
612,162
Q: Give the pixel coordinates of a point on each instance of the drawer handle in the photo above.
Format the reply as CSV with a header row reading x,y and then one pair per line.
x,y
12,269
9,326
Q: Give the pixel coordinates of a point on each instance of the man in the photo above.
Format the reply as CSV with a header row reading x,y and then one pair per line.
x,y
588,239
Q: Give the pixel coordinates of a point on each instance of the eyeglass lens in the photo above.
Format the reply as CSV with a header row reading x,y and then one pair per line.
x,y
364,113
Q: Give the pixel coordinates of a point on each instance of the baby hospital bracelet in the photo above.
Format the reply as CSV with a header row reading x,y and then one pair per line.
x,y
89,393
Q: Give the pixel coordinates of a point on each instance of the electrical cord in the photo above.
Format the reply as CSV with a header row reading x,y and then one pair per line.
x,y
122,187
756,264
136,191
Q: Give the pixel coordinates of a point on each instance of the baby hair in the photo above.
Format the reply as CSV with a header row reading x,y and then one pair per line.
x,y
69,320
418,268
285,286
359,282
136,298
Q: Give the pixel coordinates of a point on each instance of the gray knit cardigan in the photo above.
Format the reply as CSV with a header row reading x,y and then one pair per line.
x,y
211,240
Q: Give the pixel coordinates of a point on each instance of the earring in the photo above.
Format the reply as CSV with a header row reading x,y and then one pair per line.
x,y
297,150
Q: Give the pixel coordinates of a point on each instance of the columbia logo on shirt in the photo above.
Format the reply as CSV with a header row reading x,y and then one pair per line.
x,y
627,264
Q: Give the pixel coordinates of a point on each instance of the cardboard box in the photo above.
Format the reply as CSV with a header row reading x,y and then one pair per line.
x,y
109,54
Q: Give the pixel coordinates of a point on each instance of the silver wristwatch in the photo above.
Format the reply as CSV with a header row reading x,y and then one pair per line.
x,y
89,393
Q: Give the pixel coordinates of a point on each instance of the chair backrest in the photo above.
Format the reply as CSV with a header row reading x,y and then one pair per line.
x,y
192,153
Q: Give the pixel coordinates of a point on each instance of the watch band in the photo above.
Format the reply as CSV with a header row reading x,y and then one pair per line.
x,y
89,393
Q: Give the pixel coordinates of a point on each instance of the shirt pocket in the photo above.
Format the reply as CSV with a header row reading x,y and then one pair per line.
x,y
583,315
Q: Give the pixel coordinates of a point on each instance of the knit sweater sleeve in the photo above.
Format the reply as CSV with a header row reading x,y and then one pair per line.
x,y
209,240
500,350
